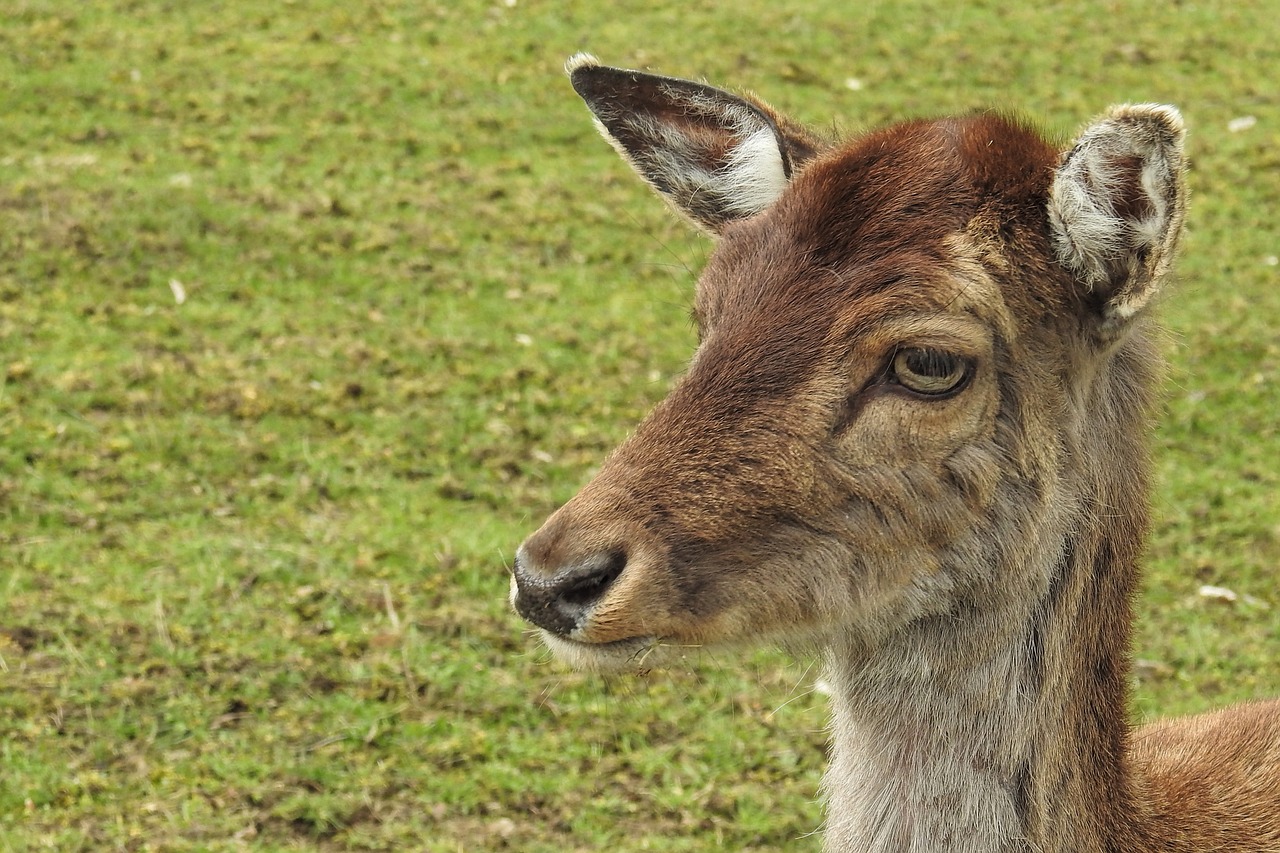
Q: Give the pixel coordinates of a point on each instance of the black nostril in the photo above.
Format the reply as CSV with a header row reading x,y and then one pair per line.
x,y
560,601
587,589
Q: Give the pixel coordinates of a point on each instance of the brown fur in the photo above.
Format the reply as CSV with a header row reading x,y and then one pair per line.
x,y
968,561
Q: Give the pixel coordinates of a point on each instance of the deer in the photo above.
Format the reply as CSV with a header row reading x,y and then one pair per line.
x,y
913,441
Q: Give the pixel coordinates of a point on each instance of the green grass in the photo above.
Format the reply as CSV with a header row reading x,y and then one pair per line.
x,y
253,544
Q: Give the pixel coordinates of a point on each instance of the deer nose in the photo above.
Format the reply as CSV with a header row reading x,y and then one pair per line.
x,y
559,600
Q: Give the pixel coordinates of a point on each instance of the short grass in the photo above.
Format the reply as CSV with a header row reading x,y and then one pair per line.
x,y
310,311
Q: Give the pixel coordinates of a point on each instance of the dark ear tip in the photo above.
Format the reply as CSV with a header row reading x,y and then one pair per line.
x,y
587,75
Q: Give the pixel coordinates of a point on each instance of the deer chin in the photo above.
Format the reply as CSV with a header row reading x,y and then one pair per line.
x,y
630,655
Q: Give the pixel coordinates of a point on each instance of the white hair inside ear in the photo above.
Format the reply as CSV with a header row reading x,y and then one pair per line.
x,y
1117,201
754,176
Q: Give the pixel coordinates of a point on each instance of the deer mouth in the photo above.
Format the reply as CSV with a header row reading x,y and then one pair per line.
x,y
626,655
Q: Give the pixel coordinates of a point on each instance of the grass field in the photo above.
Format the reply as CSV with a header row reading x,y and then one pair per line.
x,y
310,311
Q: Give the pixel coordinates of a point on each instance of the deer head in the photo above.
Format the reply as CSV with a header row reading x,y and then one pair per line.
x,y
903,340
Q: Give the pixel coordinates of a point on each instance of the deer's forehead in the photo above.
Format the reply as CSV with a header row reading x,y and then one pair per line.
x,y
923,217
793,304
768,273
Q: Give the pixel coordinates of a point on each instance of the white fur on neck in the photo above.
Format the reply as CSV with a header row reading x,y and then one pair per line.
x,y
914,769
935,726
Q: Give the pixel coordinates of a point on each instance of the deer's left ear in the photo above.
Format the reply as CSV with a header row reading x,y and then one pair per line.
x,y
1117,204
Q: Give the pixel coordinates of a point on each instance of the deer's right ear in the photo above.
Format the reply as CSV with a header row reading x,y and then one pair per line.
x,y
714,156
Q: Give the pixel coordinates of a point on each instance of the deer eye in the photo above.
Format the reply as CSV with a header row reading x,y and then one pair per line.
x,y
931,372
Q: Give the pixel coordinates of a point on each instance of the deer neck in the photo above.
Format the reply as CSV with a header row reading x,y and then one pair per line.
x,y
1000,726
